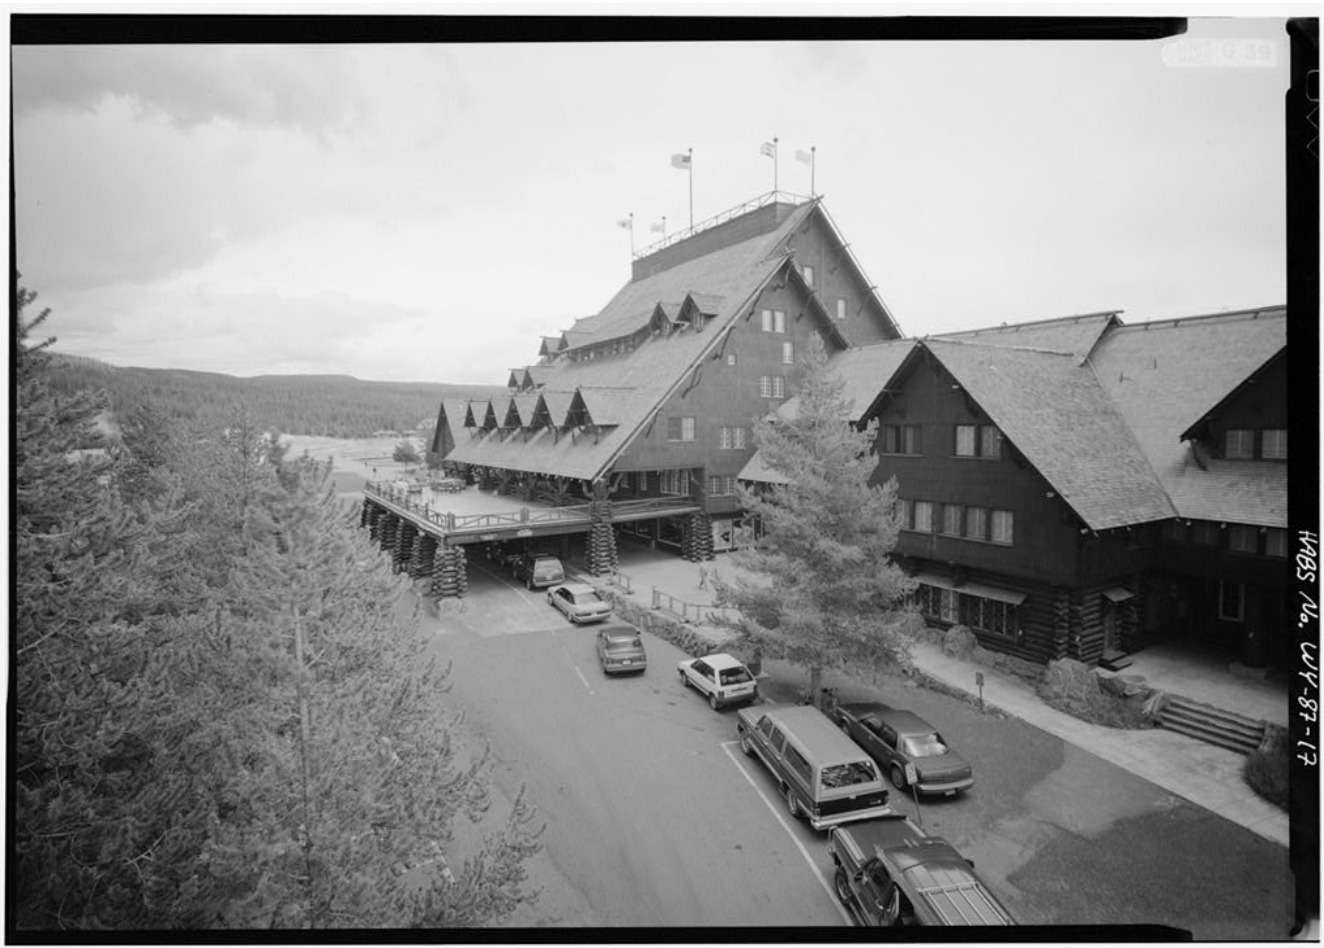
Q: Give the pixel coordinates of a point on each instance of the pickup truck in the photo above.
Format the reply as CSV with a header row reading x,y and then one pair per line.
x,y
890,872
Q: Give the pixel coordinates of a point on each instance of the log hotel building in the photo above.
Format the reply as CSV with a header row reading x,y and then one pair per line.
x,y
1072,487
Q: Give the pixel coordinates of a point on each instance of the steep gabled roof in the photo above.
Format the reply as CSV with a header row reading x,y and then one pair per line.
x,y
725,279
1166,375
1194,429
1054,411
519,411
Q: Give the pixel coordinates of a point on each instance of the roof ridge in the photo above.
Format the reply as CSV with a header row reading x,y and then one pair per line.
x,y
1276,310
981,345
1075,318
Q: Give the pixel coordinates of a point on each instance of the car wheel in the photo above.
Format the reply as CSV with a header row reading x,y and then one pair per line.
x,y
745,745
898,777
712,701
528,584
792,804
842,885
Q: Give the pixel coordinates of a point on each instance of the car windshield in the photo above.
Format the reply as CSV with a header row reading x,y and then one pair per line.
x,y
622,645
848,775
925,745
734,676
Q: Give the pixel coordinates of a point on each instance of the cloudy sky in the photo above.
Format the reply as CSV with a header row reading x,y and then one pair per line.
x,y
426,212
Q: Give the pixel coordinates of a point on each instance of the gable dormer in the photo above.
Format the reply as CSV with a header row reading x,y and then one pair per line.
x,y
469,421
490,418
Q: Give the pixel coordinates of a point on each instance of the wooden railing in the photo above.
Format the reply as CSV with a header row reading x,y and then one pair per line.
x,y
523,517
693,612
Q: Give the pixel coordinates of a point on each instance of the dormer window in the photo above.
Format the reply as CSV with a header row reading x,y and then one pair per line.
x,y
1239,444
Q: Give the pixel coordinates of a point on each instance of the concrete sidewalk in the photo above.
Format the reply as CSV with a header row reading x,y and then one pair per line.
x,y
1206,775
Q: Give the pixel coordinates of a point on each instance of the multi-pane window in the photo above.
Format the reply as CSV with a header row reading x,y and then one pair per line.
x,y
965,441
1273,444
990,441
676,482
773,386
640,481
841,307
1239,443
730,358
680,428
721,485
788,353
1275,542
900,439
1002,526
1230,604
976,523
947,605
1241,538
923,516
809,275
732,438
774,320
765,386
904,512
951,520
977,612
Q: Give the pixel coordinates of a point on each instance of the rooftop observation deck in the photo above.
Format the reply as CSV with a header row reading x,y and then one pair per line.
x,y
473,516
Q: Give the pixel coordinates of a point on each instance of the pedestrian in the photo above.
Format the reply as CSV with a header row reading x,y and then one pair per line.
x,y
703,575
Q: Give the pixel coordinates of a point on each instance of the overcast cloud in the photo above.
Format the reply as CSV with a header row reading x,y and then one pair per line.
x,y
427,212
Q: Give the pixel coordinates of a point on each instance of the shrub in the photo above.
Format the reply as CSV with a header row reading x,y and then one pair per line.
x,y
1267,769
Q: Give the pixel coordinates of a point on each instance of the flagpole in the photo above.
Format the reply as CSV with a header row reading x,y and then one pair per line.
x,y
813,153
774,167
632,234
691,167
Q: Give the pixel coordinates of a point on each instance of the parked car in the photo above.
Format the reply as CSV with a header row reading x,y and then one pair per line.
x,y
824,775
896,738
538,570
890,872
719,676
621,650
579,602
503,554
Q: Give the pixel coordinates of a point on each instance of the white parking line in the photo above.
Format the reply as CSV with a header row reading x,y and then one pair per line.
x,y
583,679
776,811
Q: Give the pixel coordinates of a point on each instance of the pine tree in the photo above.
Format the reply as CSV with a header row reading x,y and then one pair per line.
x,y
822,559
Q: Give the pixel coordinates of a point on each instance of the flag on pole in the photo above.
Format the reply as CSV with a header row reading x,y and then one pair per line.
x,y
804,156
625,223
680,161
769,149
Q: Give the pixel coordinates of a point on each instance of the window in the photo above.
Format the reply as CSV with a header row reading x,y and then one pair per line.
x,y
721,485
965,441
899,439
809,275
1239,443
1003,523
774,320
1230,605
765,386
676,482
1206,532
733,439
976,523
990,441
904,511
923,516
640,481
951,520
947,606
778,386
1273,444
730,358
765,726
988,615
680,428
1242,539
788,353
841,307
795,760
1275,542
778,740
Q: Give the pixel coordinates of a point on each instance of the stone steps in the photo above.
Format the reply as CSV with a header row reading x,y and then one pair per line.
x,y
1212,725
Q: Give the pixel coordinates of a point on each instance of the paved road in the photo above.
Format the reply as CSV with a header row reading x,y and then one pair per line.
x,y
654,818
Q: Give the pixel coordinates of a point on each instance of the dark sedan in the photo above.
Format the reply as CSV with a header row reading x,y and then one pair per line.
x,y
896,738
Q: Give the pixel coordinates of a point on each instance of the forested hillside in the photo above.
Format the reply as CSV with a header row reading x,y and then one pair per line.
x,y
336,406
